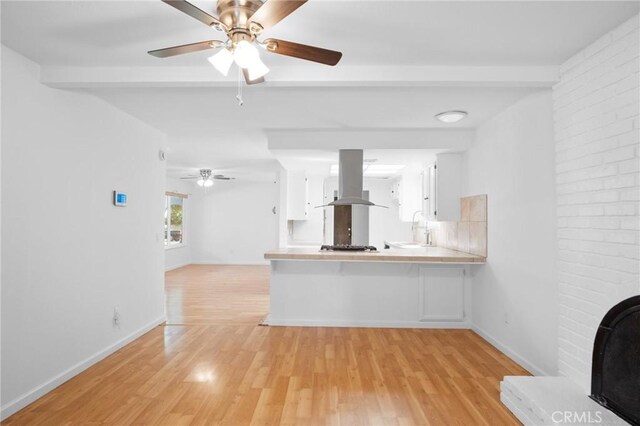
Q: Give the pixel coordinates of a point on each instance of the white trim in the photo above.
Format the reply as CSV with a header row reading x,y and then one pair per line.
x,y
234,262
370,324
423,292
299,75
174,246
185,208
27,398
179,265
516,357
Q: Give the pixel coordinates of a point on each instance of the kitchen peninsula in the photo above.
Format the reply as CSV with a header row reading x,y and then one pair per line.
x,y
414,255
426,287
412,288
352,284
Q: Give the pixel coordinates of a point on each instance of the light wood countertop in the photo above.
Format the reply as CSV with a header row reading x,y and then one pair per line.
x,y
417,255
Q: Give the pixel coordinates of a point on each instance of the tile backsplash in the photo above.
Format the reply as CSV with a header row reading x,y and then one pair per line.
x,y
470,234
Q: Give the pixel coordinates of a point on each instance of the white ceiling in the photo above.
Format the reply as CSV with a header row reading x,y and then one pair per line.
x,y
208,129
118,33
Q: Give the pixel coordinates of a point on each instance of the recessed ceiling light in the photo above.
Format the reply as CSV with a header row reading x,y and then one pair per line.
x,y
451,116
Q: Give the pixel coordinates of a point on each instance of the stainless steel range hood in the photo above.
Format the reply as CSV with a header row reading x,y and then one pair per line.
x,y
350,179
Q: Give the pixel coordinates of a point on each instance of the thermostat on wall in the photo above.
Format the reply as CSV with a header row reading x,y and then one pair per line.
x,y
119,199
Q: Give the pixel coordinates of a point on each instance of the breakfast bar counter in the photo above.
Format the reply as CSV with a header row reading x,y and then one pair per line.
x,y
426,287
412,255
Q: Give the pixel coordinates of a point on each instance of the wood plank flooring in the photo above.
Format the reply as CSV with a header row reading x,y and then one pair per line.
x,y
217,294
222,373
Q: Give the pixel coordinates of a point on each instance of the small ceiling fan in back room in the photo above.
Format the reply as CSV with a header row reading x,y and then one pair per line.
x,y
243,21
206,177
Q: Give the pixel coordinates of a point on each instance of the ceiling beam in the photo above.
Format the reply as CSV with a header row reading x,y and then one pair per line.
x,y
451,140
304,76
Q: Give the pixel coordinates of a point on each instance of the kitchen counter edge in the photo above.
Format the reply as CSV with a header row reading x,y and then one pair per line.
x,y
430,255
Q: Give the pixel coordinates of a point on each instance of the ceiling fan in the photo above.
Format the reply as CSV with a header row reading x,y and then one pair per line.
x,y
206,178
243,21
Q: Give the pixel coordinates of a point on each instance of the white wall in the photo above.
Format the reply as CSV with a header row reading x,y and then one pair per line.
x,y
597,118
176,257
281,209
233,222
69,256
515,294
310,231
385,224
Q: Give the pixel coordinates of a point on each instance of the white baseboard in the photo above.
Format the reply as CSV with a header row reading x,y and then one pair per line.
x,y
516,357
366,324
233,262
171,268
27,398
180,265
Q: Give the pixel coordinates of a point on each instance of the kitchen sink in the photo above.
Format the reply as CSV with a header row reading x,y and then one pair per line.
x,y
404,245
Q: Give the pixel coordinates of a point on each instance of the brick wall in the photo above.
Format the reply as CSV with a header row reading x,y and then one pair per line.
x,y
597,127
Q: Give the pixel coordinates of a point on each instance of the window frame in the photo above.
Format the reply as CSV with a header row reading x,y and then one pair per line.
x,y
167,219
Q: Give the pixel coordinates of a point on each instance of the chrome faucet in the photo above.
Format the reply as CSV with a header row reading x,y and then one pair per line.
x,y
414,225
413,219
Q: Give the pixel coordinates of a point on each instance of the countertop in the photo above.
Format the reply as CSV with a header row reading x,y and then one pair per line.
x,y
413,255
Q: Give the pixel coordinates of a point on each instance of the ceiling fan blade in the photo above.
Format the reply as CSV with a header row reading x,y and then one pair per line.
x,y
222,177
245,73
190,177
194,12
273,11
303,51
186,48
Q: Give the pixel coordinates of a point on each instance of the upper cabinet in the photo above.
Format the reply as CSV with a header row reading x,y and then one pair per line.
x,y
442,188
407,190
429,177
297,196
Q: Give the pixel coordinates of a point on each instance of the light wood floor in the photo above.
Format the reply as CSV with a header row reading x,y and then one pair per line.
x,y
217,294
210,373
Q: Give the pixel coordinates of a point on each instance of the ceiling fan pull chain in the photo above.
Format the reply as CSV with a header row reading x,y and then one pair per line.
x,y
239,95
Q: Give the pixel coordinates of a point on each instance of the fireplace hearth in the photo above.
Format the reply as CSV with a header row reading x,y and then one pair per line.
x,y
615,379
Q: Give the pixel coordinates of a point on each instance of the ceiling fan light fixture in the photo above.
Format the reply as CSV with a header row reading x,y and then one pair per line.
x,y
257,70
222,61
205,183
245,54
451,116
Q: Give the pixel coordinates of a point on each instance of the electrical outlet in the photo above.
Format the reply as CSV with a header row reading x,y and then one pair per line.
x,y
116,316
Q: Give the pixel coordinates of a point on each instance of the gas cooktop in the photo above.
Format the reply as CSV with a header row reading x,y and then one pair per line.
x,y
347,247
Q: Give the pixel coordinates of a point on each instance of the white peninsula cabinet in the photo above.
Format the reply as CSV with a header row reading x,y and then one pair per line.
x,y
413,288
442,294
369,294
442,188
297,196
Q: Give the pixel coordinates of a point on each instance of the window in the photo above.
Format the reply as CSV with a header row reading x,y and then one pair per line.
x,y
173,219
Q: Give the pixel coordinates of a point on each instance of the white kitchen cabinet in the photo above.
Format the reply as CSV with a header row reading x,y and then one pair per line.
x,y
297,196
429,206
395,190
409,192
442,188
368,294
442,294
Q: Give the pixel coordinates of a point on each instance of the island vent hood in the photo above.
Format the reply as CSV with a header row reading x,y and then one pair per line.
x,y
350,179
